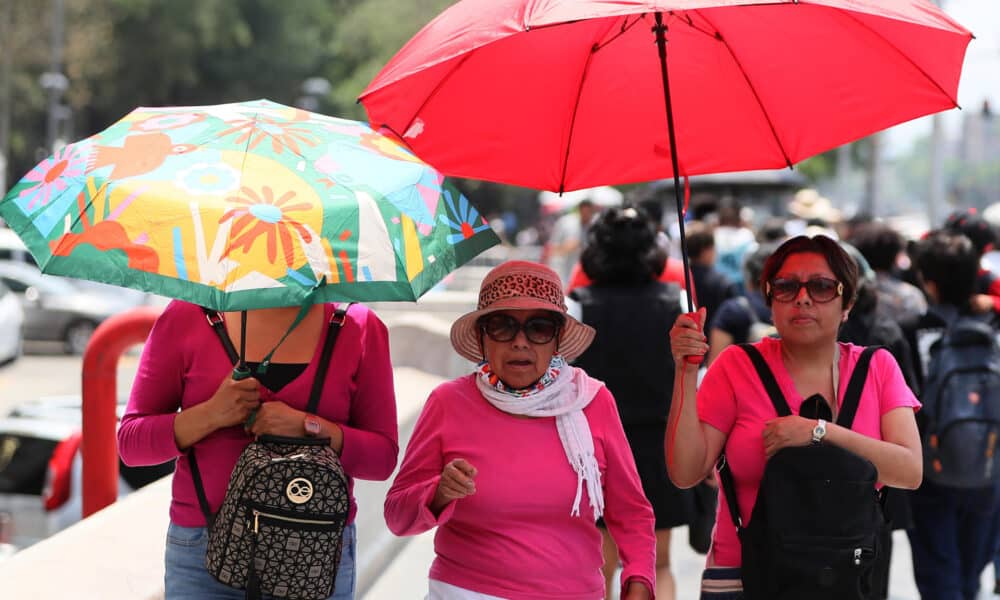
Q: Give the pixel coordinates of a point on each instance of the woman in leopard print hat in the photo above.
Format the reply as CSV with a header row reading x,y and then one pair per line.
x,y
515,462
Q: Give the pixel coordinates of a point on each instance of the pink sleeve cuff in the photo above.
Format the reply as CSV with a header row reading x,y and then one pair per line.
x,y
640,579
426,515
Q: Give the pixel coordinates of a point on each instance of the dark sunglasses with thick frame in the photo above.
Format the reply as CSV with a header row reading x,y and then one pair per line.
x,y
820,289
504,328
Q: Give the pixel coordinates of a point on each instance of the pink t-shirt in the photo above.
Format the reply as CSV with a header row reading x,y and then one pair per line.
x,y
733,400
183,363
515,537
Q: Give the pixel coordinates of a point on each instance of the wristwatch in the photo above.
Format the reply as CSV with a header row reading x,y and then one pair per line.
x,y
312,426
819,431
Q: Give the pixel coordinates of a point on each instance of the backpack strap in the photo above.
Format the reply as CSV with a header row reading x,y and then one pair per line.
x,y
217,323
767,378
852,397
780,406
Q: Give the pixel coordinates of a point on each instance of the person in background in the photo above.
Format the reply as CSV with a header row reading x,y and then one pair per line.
x,y
810,285
881,246
983,238
711,288
184,396
733,240
954,531
744,318
514,463
632,357
569,235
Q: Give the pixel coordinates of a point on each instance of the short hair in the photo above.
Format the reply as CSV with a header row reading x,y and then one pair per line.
x,y
698,238
753,264
844,267
973,226
879,243
951,262
621,248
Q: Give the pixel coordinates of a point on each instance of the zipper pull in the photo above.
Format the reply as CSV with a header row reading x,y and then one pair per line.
x,y
256,526
857,556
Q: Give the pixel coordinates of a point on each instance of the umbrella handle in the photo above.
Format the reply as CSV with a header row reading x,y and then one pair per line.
x,y
694,359
241,372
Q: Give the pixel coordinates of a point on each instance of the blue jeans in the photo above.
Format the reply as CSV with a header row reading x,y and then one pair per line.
x,y
952,539
186,576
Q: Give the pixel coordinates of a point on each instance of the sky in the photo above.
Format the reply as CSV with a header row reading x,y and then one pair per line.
x,y
980,73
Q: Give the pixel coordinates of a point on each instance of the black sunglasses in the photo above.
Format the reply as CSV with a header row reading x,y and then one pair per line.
x,y
820,289
504,328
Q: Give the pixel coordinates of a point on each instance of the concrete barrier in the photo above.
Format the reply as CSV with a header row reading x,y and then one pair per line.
x,y
116,553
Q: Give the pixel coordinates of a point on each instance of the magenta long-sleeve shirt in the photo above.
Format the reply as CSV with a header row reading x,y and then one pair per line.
x,y
183,363
515,537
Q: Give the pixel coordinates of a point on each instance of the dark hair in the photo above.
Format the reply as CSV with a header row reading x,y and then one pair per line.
x,y
973,226
844,267
950,261
621,248
699,238
753,264
773,230
879,243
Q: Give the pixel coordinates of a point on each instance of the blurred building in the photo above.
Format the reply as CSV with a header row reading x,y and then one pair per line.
x,y
977,183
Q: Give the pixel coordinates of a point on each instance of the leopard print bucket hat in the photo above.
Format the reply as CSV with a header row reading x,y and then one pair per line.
x,y
520,285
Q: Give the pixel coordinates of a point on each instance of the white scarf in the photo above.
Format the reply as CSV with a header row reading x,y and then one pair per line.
x,y
568,391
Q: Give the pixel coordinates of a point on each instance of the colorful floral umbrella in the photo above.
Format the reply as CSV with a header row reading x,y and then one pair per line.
x,y
242,206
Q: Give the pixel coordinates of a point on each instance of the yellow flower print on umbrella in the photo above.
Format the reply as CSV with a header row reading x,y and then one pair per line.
x,y
243,206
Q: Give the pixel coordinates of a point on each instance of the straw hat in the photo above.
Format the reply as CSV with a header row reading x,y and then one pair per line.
x,y
808,204
520,285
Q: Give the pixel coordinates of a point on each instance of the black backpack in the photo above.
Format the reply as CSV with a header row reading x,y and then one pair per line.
x,y
280,528
817,523
961,406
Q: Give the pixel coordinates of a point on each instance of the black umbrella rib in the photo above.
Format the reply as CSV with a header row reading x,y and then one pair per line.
x,y
576,106
746,77
432,93
621,31
905,57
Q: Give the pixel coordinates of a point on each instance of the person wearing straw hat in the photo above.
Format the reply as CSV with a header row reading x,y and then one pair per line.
x,y
515,462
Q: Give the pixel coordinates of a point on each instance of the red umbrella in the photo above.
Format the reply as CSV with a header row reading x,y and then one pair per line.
x,y
568,94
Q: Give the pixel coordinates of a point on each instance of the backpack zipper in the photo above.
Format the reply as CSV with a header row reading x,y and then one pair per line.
x,y
258,514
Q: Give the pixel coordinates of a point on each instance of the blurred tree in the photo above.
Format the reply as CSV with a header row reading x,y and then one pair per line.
x,y
120,54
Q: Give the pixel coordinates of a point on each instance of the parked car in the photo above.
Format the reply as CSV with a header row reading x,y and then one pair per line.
x,y
55,309
11,326
41,466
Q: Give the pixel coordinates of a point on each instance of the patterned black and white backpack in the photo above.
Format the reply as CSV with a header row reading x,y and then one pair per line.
x,y
279,531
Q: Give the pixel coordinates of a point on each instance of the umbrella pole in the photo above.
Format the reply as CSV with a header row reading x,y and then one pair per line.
x,y
242,371
661,45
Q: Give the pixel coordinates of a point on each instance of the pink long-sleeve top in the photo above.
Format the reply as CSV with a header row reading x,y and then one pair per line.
x,y
515,537
183,363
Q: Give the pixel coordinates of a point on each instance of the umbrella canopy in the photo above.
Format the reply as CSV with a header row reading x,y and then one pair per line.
x,y
243,206
567,94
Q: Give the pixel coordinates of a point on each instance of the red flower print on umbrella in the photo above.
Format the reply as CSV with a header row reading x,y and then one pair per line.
x,y
282,133
267,216
52,176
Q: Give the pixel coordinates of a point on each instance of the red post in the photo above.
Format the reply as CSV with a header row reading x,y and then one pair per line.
x,y
100,369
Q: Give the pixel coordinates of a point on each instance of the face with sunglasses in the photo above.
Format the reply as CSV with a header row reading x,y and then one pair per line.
x,y
519,344
806,300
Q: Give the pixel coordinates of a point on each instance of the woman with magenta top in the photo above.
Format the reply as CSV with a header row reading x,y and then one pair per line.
x,y
515,462
185,396
810,286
